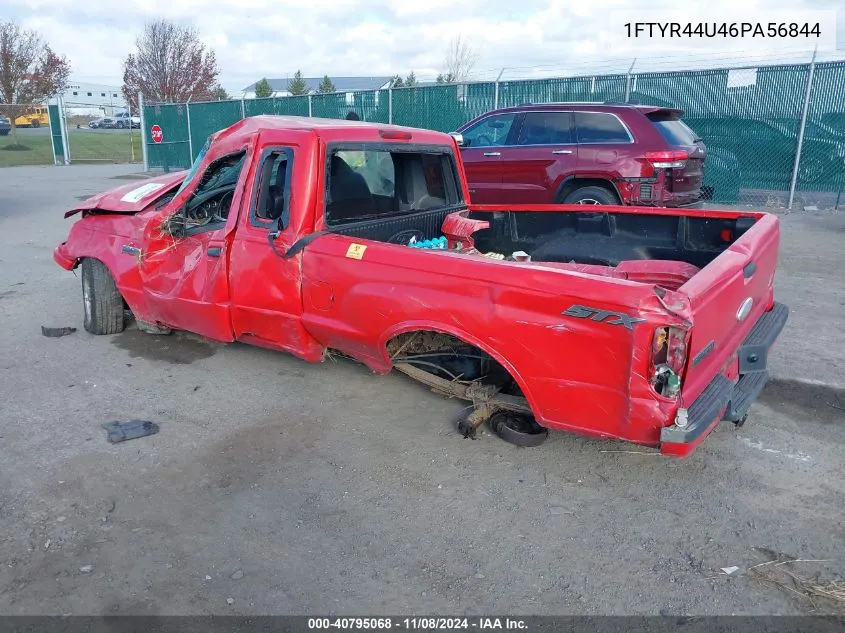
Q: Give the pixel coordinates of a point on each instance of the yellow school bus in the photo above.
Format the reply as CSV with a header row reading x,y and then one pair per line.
x,y
33,117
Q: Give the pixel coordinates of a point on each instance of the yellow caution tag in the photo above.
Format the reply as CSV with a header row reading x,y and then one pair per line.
x,y
356,251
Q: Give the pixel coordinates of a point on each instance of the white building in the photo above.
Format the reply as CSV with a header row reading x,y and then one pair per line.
x,y
93,99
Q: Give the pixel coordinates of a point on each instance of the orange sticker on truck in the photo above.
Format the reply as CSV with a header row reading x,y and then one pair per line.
x,y
356,251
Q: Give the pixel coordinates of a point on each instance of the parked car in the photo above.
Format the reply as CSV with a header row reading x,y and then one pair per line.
x,y
5,125
123,121
583,153
102,123
766,148
308,235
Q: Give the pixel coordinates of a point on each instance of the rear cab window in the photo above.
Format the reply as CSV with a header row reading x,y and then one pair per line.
x,y
377,182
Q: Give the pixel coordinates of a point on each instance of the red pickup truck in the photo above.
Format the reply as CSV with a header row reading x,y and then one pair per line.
x,y
306,235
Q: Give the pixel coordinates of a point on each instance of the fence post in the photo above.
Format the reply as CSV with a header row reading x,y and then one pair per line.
x,y
804,111
50,125
243,108
63,130
628,81
143,132
496,90
309,105
190,142
390,105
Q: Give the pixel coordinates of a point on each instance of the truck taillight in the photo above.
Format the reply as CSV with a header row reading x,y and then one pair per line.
x,y
667,159
668,358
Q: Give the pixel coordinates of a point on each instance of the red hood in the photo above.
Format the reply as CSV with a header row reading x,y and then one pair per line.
x,y
131,198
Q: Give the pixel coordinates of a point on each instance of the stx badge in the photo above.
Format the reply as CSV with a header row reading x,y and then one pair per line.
x,y
606,316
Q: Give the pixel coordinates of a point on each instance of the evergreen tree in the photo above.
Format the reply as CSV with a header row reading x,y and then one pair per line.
x,y
297,85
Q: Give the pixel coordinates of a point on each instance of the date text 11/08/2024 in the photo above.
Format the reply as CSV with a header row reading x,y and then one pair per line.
x,y
723,30
417,624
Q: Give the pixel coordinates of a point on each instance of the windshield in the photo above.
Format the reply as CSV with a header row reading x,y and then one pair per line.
x,y
193,171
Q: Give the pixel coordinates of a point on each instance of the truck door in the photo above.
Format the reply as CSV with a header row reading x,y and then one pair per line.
x,y
183,263
265,287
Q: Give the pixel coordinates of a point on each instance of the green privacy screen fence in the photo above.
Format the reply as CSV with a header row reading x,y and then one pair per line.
x,y
749,118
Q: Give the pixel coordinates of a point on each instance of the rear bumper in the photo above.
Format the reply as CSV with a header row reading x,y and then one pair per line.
x,y
724,399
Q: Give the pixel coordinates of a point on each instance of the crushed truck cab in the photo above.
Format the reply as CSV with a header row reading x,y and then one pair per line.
x,y
306,235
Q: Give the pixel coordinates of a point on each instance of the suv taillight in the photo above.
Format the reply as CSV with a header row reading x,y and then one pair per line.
x,y
667,159
668,358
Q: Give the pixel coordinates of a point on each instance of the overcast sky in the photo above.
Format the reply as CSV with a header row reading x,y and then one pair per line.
x,y
274,38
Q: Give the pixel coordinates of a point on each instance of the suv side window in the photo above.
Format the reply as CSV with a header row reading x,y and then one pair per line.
x,y
545,128
600,127
490,132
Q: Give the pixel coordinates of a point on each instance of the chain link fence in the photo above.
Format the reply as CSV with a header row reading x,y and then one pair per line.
x,y
773,133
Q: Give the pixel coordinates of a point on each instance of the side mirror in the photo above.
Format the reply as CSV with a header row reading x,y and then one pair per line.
x,y
459,138
175,225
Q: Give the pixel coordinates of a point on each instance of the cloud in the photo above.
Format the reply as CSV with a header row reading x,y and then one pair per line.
x,y
275,38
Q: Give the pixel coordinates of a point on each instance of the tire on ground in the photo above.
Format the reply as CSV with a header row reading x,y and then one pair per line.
x,y
101,299
591,195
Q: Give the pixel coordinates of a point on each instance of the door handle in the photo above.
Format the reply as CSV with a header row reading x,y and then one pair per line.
x,y
214,251
492,153
562,151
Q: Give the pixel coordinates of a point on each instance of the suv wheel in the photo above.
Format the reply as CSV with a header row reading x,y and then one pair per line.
x,y
591,195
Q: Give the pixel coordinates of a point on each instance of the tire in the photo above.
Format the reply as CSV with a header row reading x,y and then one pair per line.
x,y
519,430
101,300
591,196
36,123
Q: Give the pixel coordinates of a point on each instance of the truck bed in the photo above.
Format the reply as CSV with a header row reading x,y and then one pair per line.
x,y
665,249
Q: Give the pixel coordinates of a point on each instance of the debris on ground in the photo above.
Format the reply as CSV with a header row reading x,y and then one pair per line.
x,y
86,569
56,332
237,575
783,573
130,430
729,570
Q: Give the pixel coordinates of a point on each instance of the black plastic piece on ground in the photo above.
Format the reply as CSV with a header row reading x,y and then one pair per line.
x,y
130,430
56,332
521,430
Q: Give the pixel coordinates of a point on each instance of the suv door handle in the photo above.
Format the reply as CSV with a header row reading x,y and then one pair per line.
x,y
492,153
562,151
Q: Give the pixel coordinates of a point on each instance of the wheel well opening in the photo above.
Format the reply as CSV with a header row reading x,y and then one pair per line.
x,y
579,183
449,358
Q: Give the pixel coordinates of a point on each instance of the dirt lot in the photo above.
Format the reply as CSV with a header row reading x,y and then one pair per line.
x,y
279,487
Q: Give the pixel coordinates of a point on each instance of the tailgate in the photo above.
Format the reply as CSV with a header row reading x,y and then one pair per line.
x,y
726,299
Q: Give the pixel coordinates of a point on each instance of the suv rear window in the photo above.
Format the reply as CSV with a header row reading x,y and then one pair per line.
x,y
673,130
600,127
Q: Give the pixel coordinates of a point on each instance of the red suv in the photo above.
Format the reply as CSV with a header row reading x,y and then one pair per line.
x,y
584,153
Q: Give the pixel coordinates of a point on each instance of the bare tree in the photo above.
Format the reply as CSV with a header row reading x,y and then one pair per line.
x,y
460,60
171,64
30,71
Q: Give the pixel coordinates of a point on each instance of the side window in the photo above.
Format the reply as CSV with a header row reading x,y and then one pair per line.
x,y
545,128
600,127
208,206
490,132
273,188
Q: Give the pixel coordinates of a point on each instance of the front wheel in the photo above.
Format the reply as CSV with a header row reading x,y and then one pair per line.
x,y
36,123
591,196
101,299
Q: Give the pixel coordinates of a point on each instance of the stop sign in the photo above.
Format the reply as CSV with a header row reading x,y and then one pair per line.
x,y
157,134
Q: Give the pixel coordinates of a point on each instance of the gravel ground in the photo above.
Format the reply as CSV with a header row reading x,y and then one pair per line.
x,y
279,487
